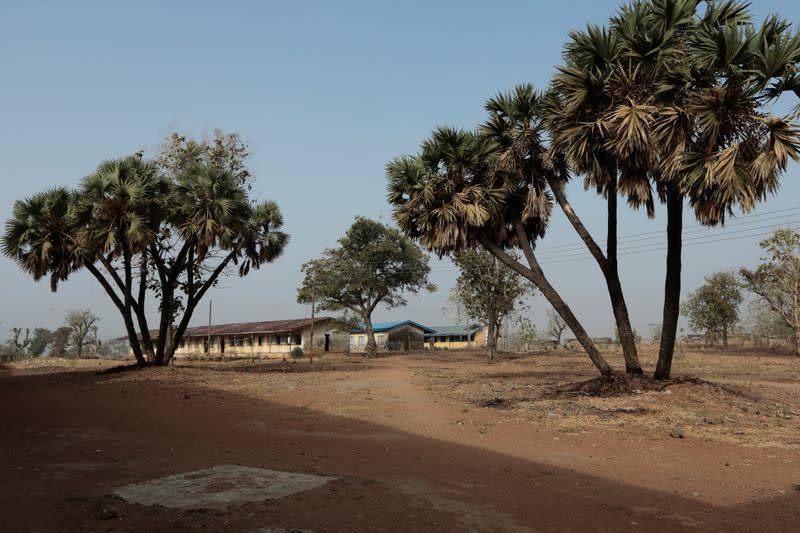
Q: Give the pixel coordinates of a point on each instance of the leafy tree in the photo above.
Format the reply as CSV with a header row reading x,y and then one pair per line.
x,y
714,307
224,150
671,102
488,290
555,326
60,341
373,264
777,279
41,338
141,228
83,326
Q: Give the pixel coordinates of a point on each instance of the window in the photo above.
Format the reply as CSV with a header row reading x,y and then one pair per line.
x,y
297,339
260,340
362,340
381,339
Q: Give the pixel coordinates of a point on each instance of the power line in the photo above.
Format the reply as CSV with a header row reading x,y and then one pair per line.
x,y
694,228
549,255
660,248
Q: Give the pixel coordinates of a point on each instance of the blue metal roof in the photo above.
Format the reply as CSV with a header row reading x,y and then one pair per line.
x,y
382,327
448,331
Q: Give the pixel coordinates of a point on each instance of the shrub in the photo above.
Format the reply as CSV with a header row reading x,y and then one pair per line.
x,y
296,353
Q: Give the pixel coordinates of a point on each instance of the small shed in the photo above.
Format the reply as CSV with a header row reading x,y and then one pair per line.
x,y
400,336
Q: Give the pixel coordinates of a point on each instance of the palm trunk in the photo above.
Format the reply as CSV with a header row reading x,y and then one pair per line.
x,y
672,285
626,336
609,267
537,277
133,339
144,329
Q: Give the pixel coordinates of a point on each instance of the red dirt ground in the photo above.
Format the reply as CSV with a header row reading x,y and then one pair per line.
x,y
410,452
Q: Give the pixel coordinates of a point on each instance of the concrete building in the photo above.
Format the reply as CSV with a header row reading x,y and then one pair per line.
x,y
274,338
401,336
456,337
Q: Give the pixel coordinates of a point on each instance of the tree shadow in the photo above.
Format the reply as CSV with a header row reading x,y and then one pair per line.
x,y
385,474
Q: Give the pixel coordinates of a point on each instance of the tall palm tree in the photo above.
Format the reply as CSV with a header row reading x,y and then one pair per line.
x,y
215,218
515,123
38,236
118,213
465,189
670,102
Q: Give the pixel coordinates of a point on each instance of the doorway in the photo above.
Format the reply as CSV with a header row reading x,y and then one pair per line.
x,y
327,342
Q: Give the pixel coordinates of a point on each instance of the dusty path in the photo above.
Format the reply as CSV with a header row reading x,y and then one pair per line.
x,y
407,459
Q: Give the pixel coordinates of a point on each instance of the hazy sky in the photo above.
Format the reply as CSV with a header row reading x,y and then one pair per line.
x,y
325,93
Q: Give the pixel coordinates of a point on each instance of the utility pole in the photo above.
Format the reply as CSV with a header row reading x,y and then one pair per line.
x,y
208,340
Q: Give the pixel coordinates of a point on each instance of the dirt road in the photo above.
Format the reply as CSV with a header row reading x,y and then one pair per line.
x,y
407,458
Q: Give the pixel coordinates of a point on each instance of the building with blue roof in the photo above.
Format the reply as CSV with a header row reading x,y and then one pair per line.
x,y
397,336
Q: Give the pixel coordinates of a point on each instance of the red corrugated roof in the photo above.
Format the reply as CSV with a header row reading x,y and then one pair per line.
x,y
246,328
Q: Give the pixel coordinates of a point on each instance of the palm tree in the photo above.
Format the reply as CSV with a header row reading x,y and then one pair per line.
x,y
515,124
715,139
118,213
671,103
38,236
465,189
216,220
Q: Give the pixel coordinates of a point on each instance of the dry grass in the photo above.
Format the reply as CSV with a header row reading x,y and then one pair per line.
x,y
746,398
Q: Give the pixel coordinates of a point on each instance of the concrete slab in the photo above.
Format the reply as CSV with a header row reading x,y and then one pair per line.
x,y
219,487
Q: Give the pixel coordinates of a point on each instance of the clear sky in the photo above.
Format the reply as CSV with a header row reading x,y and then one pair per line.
x,y
325,93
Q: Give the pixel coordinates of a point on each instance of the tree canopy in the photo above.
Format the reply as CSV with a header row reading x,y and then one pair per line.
x,y
488,291
777,279
670,102
168,229
373,265
714,307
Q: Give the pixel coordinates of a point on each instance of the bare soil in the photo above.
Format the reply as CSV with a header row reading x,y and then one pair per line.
x,y
425,442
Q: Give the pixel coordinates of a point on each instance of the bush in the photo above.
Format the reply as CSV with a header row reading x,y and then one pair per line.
x,y
296,353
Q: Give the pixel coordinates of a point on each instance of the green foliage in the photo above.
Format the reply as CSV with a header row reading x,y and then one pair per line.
x,y
488,290
178,223
60,342
777,279
373,264
41,338
296,352
676,94
714,307
225,151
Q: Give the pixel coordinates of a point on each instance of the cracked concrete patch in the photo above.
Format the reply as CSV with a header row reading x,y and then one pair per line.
x,y
219,487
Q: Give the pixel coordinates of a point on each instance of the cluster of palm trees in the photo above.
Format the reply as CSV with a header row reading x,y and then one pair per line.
x,y
666,104
138,229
